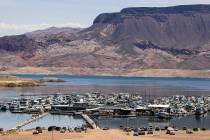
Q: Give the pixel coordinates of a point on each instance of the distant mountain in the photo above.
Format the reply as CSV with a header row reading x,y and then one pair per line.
x,y
52,31
52,34
132,39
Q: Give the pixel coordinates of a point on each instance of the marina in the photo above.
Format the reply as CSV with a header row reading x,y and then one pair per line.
x,y
55,104
94,107
108,70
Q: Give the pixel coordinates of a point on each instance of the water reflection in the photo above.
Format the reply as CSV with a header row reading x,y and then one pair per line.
x,y
179,122
57,120
9,120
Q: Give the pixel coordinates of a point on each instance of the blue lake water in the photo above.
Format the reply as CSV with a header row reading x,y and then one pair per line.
x,y
9,120
188,121
110,84
196,83
57,120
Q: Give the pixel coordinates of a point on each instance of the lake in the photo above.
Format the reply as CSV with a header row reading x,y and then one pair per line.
x,y
10,120
179,122
110,84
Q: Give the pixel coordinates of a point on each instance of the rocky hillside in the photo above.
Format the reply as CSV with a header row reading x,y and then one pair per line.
x,y
134,38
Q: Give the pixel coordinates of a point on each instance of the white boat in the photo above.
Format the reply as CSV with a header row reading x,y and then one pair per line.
x,y
164,115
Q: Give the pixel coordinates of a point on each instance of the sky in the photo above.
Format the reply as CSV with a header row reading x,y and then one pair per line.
x,y
20,16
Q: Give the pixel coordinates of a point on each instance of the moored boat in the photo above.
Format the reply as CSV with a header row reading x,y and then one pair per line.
x,y
164,115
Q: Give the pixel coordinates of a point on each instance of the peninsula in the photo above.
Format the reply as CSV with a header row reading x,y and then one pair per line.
x,y
13,81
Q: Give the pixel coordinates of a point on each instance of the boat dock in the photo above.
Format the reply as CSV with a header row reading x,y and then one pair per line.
x,y
30,120
88,120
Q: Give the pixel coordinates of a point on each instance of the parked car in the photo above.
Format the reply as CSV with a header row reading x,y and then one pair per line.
x,y
39,129
166,127
64,128
58,128
203,129
196,129
150,132
184,128
35,132
70,130
51,128
162,129
106,128
189,131
157,129
127,129
77,129
62,131
135,133
176,129
142,132
170,131
144,128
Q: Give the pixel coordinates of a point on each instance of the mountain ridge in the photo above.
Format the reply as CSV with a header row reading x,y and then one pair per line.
x,y
175,37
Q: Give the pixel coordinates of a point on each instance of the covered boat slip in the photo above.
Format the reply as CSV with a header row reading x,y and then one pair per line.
x,y
119,110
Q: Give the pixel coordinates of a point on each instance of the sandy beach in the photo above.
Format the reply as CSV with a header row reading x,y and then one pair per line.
x,y
113,134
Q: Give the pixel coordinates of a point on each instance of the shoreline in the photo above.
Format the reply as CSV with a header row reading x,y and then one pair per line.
x,y
115,76
111,134
159,73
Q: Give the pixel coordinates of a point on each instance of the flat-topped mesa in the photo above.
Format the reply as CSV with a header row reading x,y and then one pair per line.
x,y
167,10
178,27
132,39
145,11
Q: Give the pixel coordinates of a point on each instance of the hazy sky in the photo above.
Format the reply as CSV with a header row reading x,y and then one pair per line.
x,y
19,16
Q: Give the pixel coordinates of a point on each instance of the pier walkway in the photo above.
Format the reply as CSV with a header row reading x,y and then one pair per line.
x,y
88,120
18,126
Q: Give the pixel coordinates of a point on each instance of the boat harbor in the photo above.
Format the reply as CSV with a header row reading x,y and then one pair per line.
x,y
92,105
119,104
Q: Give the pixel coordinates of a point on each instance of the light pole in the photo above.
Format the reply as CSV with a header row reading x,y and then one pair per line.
x,y
52,135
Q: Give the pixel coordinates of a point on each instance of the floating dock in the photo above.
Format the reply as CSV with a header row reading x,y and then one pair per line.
x,y
30,120
88,120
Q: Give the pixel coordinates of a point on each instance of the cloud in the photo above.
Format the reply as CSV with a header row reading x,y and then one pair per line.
x,y
14,29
